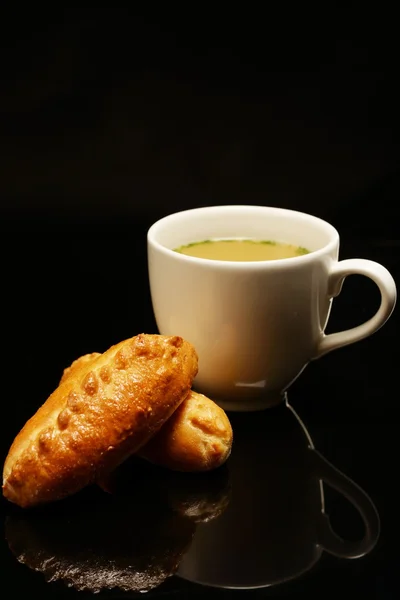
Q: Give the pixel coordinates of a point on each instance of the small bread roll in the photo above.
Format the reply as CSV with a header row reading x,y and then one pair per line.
x,y
197,437
98,416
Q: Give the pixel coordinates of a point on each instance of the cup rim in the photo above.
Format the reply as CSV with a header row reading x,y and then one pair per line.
x,y
260,264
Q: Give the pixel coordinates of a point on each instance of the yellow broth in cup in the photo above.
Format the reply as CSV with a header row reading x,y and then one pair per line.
x,y
241,250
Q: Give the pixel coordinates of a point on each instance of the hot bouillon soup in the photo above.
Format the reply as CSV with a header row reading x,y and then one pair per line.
x,y
241,250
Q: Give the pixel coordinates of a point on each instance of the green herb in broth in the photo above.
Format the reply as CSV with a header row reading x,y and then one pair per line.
x,y
241,249
301,251
182,248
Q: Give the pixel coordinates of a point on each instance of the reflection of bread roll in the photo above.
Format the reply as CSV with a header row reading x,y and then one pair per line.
x,y
128,543
102,413
197,437
201,497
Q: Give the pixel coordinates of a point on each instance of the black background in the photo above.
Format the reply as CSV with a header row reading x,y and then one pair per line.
x,y
113,117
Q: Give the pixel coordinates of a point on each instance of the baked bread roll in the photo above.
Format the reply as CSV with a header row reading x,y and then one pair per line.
x,y
197,437
106,410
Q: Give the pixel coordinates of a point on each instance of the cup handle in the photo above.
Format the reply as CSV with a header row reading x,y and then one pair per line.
x,y
387,287
327,538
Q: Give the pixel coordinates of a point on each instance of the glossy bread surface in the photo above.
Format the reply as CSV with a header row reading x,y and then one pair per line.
x,y
97,417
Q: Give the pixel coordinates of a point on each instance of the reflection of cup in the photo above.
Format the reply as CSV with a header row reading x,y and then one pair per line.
x,y
132,538
274,528
255,325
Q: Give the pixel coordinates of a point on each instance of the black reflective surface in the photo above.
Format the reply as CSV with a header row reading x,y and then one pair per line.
x,y
104,131
257,523
275,527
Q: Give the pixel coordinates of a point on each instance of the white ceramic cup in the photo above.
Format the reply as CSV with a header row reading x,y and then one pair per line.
x,y
255,325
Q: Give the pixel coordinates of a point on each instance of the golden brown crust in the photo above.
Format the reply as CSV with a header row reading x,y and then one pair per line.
x,y
103,412
197,437
78,363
